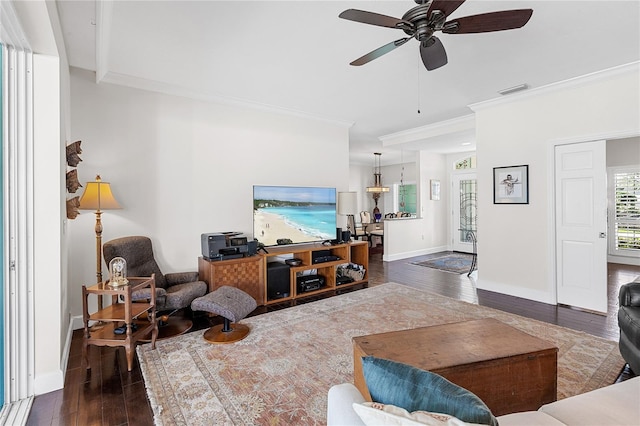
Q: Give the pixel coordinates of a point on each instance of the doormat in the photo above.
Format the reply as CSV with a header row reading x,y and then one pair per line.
x,y
457,263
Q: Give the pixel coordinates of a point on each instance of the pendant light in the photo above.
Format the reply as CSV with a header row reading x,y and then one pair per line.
x,y
377,187
377,177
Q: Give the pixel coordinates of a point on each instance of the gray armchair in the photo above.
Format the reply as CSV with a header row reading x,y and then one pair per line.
x,y
173,291
629,322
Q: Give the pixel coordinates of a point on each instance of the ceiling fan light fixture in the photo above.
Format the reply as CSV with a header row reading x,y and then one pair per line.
x,y
518,88
429,16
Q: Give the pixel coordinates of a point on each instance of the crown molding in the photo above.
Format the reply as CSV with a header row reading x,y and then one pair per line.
x,y
466,123
175,90
561,85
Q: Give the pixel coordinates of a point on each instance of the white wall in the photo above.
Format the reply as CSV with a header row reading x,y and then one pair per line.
x,y
181,167
515,242
49,317
435,213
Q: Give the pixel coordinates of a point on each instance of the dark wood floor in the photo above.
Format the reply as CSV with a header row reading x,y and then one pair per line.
x,y
109,395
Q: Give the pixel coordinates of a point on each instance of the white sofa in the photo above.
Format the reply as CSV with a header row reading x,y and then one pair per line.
x,y
617,404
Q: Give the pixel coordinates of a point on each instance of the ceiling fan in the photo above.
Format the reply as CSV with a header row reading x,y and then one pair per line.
x,y
422,21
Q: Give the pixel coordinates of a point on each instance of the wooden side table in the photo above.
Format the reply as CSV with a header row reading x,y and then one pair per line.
x,y
121,310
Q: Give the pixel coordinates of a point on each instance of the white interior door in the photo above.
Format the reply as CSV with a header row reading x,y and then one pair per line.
x,y
581,223
464,203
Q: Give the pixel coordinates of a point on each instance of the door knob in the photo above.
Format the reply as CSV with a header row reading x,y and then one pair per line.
x,y
603,235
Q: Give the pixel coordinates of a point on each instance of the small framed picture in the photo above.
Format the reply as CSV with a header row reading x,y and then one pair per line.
x,y
511,185
435,189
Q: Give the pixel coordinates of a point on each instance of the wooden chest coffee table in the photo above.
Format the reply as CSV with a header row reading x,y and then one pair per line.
x,y
508,369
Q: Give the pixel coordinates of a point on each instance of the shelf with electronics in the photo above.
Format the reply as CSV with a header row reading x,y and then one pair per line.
x,y
345,266
337,266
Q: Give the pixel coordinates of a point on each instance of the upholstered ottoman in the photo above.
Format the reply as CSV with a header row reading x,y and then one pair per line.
x,y
230,303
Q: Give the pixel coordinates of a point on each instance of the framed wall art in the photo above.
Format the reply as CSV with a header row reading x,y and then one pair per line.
x,y
511,185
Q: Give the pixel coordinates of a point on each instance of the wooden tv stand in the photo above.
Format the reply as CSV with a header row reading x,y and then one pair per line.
x,y
354,252
250,273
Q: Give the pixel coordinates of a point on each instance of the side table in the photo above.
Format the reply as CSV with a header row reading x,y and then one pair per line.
x,y
121,310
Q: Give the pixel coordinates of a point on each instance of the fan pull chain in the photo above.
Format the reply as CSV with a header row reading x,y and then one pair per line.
x,y
419,88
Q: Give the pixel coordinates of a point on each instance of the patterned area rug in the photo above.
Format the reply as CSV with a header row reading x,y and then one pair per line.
x,y
280,374
458,263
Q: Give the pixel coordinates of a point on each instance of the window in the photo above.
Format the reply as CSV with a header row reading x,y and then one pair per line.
x,y
407,198
624,217
466,163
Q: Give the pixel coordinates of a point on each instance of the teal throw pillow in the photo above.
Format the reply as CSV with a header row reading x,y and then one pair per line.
x,y
413,389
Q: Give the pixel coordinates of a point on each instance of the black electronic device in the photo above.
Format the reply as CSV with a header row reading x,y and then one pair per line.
x,y
319,253
327,258
322,256
306,283
278,280
226,245
252,247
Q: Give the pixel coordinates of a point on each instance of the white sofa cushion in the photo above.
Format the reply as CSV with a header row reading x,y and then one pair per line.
x,y
525,418
617,405
376,414
340,401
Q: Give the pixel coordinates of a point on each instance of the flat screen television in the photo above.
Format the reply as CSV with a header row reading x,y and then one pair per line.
x,y
293,214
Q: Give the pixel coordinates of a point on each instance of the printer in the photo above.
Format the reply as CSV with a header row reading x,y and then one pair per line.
x,y
226,245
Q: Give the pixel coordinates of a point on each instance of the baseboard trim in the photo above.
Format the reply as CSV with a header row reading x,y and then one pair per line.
x,y
408,254
624,260
524,293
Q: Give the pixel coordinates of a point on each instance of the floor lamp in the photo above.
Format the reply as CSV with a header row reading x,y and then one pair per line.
x,y
98,196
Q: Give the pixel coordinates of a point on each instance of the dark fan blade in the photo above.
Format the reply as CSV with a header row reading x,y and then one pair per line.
x,y
446,6
380,51
433,53
487,22
374,19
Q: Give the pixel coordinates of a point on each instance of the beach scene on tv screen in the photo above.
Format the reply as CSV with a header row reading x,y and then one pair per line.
x,y
299,214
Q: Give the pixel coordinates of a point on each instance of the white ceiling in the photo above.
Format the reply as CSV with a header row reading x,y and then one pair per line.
x,y
294,56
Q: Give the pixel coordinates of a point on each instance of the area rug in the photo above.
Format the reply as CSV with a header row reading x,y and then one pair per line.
x,y
457,263
280,373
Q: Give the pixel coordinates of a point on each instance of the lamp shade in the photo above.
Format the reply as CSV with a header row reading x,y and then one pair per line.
x,y
98,196
347,203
